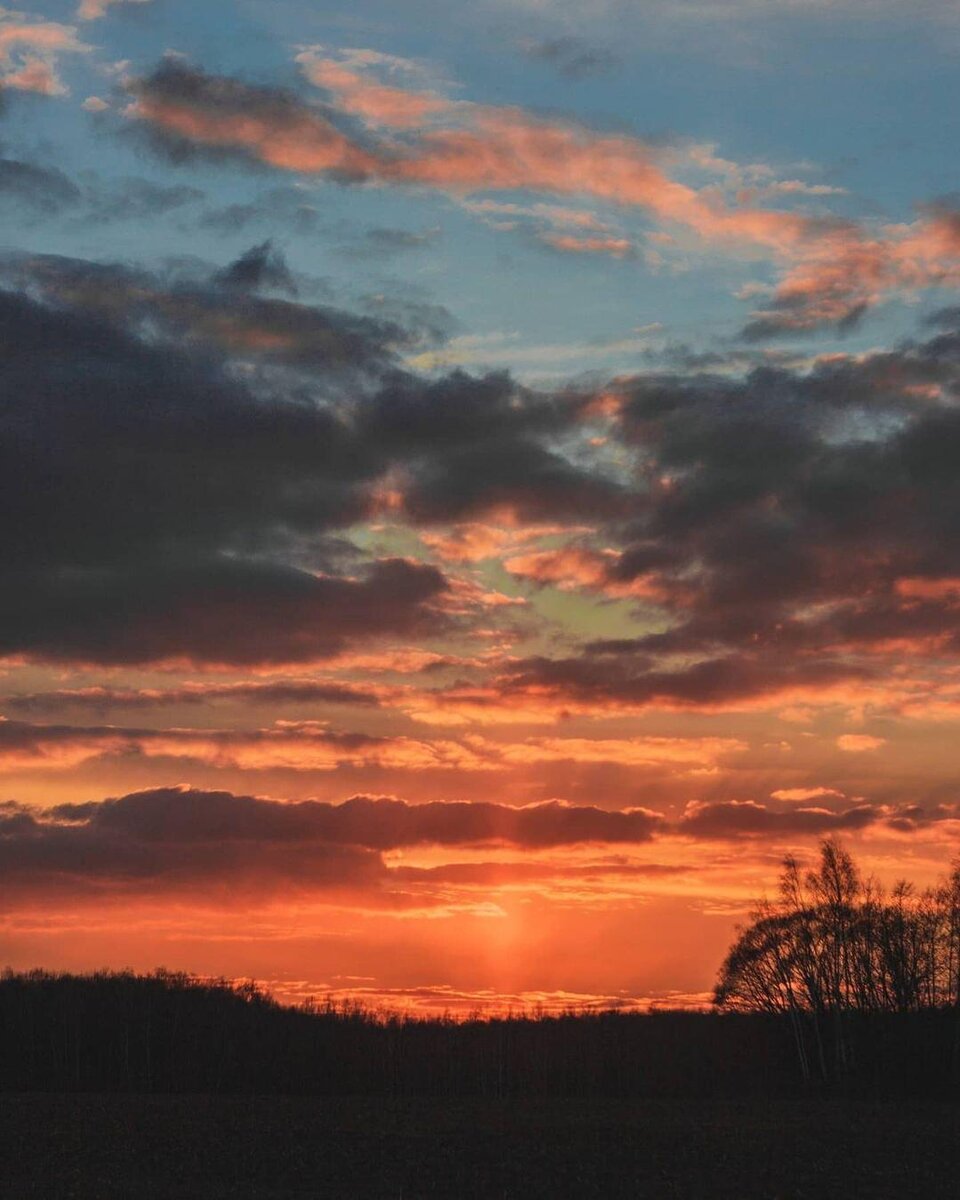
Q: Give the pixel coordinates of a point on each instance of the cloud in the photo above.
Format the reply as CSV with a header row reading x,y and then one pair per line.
x,y
849,270
221,612
35,188
288,745
42,191
30,50
373,822
93,10
144,540
151,849
566,243
170,840
605,679
348,80
479,149
289,207
261,267
745,818
802,794
192,525
314,746
781,533
572,566
189,112
833,270
100,699
859,743
135,200
475,541
571,57
178,840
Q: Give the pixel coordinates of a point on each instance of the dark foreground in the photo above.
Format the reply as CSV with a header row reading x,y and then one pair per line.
x,y
101,1147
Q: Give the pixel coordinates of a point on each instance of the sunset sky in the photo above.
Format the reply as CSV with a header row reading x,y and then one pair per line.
x,y
480,483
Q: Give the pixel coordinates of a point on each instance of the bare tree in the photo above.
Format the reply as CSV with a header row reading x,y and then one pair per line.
x,y
834,944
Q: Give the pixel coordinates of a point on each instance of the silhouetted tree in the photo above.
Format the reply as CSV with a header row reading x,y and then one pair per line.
x,y
834,945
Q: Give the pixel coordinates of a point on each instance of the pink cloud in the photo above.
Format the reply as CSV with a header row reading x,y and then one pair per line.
x,y
92,10
616,247
833,270
29,52
376,103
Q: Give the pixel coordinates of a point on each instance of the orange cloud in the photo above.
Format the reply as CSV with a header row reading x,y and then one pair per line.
x,y
859,743
574,567
801,794
632,752
475,541
312,746
929,589
845,270
290,745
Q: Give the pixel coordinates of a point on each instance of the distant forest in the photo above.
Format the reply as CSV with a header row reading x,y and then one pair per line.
x,y
834,985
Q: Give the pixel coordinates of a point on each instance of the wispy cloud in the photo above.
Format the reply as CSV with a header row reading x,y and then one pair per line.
x,y
30,50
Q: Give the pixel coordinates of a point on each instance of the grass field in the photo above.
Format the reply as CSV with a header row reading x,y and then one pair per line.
x,y
96,1147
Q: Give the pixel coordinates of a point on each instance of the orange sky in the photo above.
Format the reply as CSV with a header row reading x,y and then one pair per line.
x,y
462,528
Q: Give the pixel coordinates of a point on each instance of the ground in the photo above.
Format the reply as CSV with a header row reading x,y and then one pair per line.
x,y
94,1147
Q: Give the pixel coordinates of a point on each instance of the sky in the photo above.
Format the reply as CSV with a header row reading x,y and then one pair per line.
x,y
479,487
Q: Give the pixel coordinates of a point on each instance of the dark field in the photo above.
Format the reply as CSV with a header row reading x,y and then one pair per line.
x,y
99,1147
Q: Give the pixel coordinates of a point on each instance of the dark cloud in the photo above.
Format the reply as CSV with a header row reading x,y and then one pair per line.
x,y
480,446
946,318
745,818
46,190
374,822
136,200
286,207
159,501
142,479
787,525
789,508
216,314
624,674
169,839
176,86
48,858
104,699
261,267
910,817
572,57
172,838
222,610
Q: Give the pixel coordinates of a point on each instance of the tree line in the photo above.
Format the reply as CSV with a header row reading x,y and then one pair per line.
x,y
834,983
169,1032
